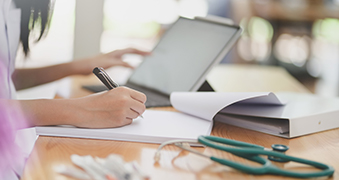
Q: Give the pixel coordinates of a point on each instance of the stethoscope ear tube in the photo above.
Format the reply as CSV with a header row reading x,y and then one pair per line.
x,y
252,152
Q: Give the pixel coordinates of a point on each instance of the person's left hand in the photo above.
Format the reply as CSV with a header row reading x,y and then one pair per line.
x,y
105,61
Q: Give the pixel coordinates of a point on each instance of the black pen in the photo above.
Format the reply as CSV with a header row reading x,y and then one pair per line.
x,y
105,79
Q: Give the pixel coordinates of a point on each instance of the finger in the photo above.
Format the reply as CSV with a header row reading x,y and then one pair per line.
x,y
141,97
114,62
138,107
136,95
129,121
133,51
132,114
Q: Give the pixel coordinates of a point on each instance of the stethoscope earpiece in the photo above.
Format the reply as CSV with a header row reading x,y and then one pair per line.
x,y
278,148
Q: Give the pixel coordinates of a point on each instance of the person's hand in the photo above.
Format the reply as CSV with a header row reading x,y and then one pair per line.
x,y
114,108
105,61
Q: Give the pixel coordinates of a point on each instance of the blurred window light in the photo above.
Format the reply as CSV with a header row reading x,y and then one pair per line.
x,y
166,11
255,42
260,50
320,48
327,28
244,48
280,48
141,11
130,18
138,22
136,30
260,29
158,11
324,45
292,49
314,67
192,8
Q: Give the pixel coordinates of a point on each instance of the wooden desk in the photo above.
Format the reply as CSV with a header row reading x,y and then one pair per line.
x,y
50,152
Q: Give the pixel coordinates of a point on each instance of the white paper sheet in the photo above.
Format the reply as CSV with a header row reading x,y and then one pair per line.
x,y
207,104
155,127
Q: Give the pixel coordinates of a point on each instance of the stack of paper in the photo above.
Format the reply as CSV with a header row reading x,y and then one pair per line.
x,y
282,114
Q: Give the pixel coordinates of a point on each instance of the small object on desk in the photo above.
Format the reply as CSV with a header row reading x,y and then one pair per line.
x,y
105,79
72,172
253,153
112,167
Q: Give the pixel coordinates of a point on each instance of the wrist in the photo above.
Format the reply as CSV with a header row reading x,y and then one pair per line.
x,y
78,113
81,67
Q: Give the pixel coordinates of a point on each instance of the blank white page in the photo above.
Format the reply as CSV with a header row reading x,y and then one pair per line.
x,y
155,127
207,104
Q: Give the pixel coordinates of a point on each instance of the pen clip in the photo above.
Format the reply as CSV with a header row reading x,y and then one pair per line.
x,y
104,77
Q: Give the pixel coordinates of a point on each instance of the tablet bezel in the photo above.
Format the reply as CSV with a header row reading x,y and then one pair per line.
x,y
217,60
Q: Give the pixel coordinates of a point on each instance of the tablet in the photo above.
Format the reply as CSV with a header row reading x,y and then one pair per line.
x,y
183,57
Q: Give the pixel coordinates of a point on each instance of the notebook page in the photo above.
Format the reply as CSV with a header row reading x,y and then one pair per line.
x,y
207,104
155,127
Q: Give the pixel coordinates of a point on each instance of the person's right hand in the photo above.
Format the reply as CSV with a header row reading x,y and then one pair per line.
x,y
114,58
114,108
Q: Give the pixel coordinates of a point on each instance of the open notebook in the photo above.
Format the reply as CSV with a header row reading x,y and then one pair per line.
x,y
160,126
155,127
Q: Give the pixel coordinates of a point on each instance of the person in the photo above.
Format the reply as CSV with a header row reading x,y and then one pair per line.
x,y
114,108
117,107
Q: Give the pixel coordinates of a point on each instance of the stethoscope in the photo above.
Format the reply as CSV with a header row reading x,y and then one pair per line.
x,y
252,152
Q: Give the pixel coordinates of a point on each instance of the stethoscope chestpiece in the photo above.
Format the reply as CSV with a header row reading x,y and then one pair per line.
x,y
278,148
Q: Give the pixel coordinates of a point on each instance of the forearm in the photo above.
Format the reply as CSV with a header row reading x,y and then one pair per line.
x,y
52,112
114,108
25,78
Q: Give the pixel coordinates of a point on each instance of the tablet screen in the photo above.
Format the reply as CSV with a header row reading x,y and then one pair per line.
x,y
183,55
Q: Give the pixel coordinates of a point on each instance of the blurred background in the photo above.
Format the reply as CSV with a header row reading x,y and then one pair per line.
x,y
301,36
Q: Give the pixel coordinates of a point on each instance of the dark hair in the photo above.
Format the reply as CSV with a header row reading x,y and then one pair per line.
x,y
34,14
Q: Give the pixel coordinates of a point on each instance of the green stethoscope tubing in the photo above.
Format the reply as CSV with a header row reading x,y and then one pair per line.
x,y
252,152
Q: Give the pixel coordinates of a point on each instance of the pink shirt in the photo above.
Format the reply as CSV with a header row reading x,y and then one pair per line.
x,y
9,42
12,160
